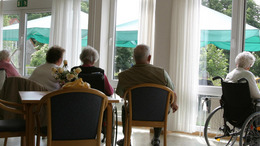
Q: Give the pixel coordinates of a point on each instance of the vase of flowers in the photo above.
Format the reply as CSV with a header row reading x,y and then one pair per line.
x,y
63,75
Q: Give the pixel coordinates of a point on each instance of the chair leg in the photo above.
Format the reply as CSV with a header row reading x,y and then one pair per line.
x,y
38,140
165,136
5,142
126,131
129,131
22,140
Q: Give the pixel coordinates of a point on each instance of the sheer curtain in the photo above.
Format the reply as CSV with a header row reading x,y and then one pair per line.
x,y
146,34
1,24
184,63
66,30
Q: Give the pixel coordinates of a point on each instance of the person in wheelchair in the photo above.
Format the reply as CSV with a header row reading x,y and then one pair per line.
x,y
240,114
89,73
244,61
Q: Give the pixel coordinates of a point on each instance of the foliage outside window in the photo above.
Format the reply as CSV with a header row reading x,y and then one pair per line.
x,y
218,59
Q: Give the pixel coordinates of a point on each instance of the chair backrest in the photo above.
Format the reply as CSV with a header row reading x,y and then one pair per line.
x,y
95,79
74,115
10,92
2,78
149,102
237,102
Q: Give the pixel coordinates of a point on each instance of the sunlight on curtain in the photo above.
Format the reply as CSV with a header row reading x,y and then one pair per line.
x,y
66,30
184,63
147,18
1,24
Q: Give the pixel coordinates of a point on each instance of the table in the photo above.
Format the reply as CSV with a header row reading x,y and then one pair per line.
x,y
30,99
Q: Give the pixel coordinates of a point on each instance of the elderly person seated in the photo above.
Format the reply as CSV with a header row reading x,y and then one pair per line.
x,y
43,73
6,65
244,61
88,57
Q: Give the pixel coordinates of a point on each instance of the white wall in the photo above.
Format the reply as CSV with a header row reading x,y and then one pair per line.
x,y
11,5
162,33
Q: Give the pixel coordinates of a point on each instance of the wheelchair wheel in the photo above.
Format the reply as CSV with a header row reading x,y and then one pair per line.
x,y
216,129
250,131
114,126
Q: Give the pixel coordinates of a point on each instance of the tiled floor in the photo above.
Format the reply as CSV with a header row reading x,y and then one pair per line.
x,y
142,137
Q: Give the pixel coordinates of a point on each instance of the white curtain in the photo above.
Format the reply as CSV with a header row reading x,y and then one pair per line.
x,y
184,63
66,30
1,24
146,23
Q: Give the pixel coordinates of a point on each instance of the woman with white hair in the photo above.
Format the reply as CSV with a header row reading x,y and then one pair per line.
x,y
244,61
88,57
6,65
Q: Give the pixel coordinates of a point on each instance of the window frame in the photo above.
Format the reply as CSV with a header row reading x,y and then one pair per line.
x,y
22,33
236,46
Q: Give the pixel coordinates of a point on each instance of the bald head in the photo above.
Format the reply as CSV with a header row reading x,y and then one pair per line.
x,y
142,54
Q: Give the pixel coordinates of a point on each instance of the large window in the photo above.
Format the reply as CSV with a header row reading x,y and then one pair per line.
x,y
127,26
216,37
37,40
26,36
216,18
223,35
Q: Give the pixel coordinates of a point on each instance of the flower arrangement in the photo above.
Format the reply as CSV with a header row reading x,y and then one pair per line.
x,y
63,75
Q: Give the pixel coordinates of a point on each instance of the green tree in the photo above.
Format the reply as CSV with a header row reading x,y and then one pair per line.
x,y
252,14
31,16
213,60
85,6
252,18
123,59
6,20
222,6
38,57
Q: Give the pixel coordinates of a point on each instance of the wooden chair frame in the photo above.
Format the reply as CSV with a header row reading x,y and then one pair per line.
x,y
128,110
50,142
17,109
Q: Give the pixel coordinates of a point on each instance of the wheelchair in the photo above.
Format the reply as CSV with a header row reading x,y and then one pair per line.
x,y
96,80
236,119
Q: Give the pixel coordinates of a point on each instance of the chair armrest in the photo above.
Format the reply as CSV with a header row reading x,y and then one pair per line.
x,y
11,109
12,104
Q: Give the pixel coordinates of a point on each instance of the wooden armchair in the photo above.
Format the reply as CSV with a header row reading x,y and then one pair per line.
x,y
74,117
147,105
12,127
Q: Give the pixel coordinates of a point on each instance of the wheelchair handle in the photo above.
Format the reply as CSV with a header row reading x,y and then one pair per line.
x,y
217,77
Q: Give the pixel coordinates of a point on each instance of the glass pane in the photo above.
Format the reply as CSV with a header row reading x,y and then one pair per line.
x,y
84,22
252,40
215,40
127,20
38,31
10,39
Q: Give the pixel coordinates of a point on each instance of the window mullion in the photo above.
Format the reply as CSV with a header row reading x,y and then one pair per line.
x,y
22,40
238,30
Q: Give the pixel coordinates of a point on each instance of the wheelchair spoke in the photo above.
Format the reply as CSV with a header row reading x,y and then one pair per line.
x,y
250,132
216,129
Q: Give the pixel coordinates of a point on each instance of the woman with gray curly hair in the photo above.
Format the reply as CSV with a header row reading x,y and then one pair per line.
x,y
6,65
88,57
244,61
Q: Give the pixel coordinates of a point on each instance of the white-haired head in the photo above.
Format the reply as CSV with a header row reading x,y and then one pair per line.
x,y
89,55
4,55
245,60
141,53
